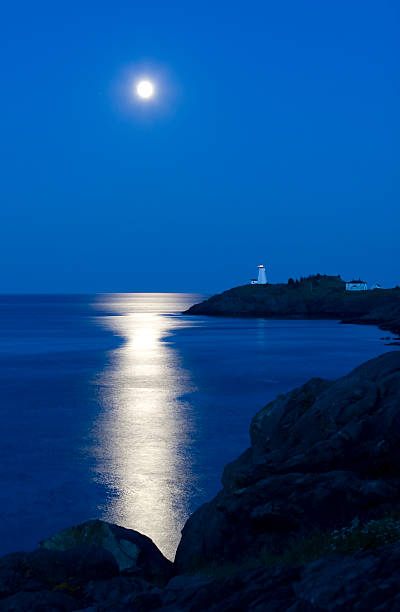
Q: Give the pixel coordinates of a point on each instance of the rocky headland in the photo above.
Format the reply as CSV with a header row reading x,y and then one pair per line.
x,y
315,297
308,519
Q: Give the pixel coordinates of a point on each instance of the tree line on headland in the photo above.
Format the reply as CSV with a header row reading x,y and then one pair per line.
x,y
315,297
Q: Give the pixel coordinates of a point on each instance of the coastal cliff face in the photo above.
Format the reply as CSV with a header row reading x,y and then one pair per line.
x,y
308,519
321,457
316,297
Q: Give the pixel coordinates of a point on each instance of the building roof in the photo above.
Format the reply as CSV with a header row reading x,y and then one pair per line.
x,y
356,282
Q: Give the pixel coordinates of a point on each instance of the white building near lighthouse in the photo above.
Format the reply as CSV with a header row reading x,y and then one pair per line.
x,y
356,285
262,277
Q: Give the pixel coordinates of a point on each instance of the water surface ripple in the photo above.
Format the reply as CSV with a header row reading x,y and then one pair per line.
x,y
117,406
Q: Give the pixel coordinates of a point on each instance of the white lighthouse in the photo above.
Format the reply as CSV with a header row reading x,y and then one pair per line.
x,y
262,277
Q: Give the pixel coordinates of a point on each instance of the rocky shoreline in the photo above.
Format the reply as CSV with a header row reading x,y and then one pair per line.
x,y
308,519
315,297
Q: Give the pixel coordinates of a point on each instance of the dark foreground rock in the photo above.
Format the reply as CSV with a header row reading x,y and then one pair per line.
x,y
134,553
365,581
315,297
322,456
362,582
94,564
52,578
308,520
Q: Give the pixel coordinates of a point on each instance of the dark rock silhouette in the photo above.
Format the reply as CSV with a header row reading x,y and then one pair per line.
x,y
51,578
134,553
321,456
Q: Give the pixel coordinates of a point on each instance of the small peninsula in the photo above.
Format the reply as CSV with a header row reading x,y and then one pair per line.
x,y
315,297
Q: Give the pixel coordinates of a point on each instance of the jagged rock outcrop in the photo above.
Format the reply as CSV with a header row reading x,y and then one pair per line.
x,y
320,456
51,579
95,564
360,582
367,581
134,553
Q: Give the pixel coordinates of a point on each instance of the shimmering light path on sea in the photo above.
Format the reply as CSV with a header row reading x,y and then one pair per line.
x,y
144,433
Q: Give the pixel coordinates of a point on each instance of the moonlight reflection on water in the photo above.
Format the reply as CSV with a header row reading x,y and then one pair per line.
x,y
143,433
177,396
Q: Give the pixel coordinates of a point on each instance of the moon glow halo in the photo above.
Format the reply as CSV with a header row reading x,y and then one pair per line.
x,y
145,89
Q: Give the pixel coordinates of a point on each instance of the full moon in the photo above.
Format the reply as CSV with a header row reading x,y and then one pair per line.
x,y
145,89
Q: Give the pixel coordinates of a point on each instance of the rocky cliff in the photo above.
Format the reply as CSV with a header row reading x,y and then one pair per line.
x,y
308,519
315,297
321,457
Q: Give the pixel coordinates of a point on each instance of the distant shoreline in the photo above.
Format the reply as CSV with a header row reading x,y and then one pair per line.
x,y
393,330
317,297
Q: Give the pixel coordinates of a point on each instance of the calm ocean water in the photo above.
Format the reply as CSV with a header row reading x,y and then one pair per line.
x,y
118,407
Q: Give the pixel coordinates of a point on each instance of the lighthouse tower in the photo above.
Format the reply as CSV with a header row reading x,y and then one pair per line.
x,y
262,278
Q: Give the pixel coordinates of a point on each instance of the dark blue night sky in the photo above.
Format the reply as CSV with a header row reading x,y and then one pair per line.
x,y
273,138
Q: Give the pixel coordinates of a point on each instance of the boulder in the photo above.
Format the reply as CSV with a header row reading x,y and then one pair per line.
x,y
320,456
134,553
63,573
